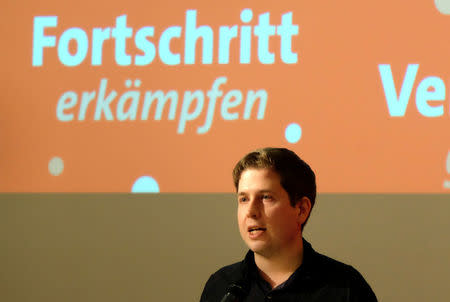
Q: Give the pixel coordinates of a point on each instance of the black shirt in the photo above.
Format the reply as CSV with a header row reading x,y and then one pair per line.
x,y
319,278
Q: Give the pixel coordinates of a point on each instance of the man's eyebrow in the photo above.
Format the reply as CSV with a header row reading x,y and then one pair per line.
x,y
258,192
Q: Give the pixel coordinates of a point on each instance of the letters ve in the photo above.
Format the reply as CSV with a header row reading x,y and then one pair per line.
x,y
430,89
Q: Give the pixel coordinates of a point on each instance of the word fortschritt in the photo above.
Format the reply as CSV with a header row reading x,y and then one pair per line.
x,y
149,44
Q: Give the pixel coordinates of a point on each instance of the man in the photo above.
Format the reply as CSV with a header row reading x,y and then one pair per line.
x,y
276,191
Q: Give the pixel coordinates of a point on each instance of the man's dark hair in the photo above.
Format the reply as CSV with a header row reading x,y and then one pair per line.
x,y
296,176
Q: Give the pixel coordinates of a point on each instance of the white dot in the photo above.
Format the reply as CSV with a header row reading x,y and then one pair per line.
x,y
448,162
293,133
246,15
145,184
443,6
56,166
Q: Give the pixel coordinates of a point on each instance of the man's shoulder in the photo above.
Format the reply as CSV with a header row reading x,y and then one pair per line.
x,y
330,265
339,275
217,284
228,273
325,266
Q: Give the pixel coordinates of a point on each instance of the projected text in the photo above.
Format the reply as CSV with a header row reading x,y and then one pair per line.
x,y
133,104
430,92
149,45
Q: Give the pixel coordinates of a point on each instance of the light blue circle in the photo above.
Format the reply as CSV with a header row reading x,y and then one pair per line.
x,y
293,133
443,6
145,184
137,83
448,162
128,83
246,15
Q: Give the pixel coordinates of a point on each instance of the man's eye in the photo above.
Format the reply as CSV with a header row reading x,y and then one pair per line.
x,y
242,199
267,197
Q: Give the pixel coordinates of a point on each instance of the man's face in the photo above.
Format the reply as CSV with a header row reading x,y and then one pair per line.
x,y
267,222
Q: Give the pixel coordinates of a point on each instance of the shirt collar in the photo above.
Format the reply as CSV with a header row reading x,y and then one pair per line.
x,y
303,273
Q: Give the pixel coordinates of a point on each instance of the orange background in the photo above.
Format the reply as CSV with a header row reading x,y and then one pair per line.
x,y
334,92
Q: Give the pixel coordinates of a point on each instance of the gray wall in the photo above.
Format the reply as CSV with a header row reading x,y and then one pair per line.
x,y
122,247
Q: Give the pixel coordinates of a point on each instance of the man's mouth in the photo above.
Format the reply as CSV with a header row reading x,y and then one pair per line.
x,y
255,229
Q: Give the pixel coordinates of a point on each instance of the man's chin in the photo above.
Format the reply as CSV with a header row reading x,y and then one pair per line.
x,y
257,247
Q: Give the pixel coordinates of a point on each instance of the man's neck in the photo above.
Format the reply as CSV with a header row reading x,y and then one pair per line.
x,y
277,268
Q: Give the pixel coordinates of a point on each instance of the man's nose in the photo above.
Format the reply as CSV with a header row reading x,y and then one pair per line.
x,y
254,208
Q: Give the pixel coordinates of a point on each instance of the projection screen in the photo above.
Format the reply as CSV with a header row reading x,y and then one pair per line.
x,y
102,99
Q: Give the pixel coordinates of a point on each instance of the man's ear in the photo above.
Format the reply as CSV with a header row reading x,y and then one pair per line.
x,y
304,205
